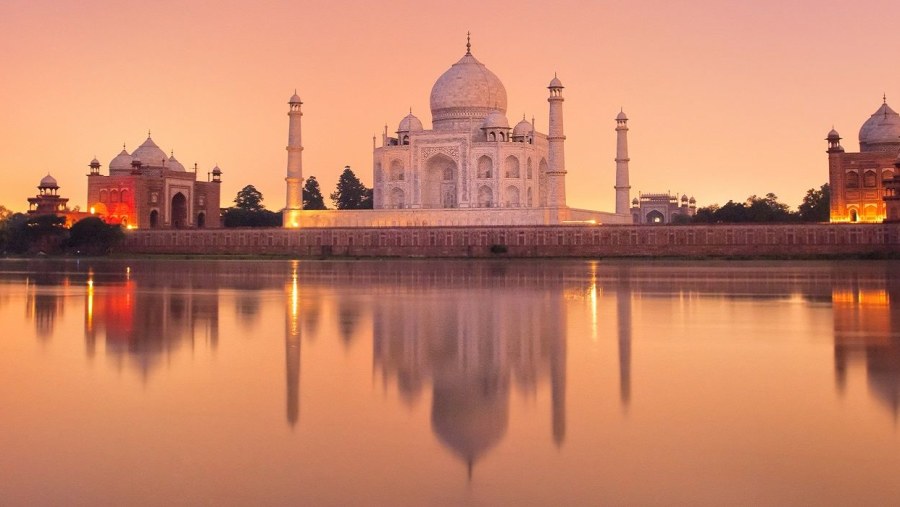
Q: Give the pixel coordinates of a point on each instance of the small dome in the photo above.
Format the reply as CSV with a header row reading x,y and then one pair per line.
x,y
216,170
635,201
621,115
467,90
833,134
295,99
692,200
94,162
495,120
48,182
881,131
523,128
174,165
555,83
410,124
684,198
122,161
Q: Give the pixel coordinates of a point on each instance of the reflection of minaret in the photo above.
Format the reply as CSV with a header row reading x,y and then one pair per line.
x,y
292,349
623,314
557,335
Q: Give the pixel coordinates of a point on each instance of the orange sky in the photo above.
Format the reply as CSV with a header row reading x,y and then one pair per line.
x,y
726,98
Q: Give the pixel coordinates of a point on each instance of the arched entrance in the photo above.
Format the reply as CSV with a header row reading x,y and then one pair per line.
x,y
154,219
201,220
179,211
655,217
853,215
439,178
398,198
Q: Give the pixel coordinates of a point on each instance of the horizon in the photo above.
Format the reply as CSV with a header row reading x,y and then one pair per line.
x,y
747,96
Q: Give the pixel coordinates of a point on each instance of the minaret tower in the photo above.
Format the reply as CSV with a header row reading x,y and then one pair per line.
x,y
623,189
556,174
294,179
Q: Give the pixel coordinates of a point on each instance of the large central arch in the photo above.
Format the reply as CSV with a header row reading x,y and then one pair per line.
x,y
179,210
438,179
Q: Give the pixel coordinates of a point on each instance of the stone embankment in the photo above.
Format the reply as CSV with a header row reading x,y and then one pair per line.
x,y
792,240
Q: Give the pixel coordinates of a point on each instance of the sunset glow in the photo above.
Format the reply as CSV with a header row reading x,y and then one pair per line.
x,y
726,99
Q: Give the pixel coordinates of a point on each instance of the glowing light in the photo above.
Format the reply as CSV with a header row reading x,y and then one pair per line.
x,y
593,298
93,210
129,227
90,301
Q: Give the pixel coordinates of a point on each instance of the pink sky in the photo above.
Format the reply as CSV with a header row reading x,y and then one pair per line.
x,y
725,98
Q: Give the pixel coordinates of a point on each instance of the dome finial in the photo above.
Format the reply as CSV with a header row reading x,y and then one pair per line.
x,y
148,133
468,43
884,97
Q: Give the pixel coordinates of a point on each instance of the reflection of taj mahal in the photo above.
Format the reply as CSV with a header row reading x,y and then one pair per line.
x,y
471,168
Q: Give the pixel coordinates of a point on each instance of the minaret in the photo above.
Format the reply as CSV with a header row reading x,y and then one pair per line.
x,y
556,173
623,189
294,179
836,175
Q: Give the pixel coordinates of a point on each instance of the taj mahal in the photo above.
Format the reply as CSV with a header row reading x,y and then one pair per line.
x,y
470,168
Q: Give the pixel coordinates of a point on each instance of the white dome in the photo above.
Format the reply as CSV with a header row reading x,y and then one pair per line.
x,y
48,182
523,128
173,164
621,115
122,161
410,124
881,132
468,90
555,83
295,99
495,120
150,154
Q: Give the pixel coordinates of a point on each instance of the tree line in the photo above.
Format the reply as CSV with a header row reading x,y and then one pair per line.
x,y
249,210
815,207
22,234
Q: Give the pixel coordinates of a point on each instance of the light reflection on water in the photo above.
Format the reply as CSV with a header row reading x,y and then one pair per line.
x,y
435,382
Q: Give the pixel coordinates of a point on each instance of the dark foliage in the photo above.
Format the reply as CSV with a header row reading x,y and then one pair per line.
x,y
237,217
249,198
816,205
351,193
93,236
312,195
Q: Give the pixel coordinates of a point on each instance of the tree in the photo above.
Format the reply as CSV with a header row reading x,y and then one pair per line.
x,y
93,236
816,205
350,192
767,209
249,198
5,213
312,195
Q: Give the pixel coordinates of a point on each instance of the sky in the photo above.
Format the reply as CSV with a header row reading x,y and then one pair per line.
x,y
726,99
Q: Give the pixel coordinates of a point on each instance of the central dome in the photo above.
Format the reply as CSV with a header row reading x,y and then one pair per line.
x,y
468,90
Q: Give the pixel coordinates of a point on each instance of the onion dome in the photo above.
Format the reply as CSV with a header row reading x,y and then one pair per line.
x,y
468,90
122,162
94,162
881,132
621,116
635,202
174,165
833,135
410,124
692,200
495,120
295,99
555,83
150,154
216,171
48,182
684,198
523,128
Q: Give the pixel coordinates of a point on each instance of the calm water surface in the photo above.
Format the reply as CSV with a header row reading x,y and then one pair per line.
x,y
449,382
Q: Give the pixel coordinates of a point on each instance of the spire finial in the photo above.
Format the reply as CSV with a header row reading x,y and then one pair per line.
x,y
468,43
410,109
123,145
884,98
148,133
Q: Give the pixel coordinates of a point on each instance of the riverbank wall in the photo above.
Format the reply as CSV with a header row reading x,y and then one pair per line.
x,y
773,240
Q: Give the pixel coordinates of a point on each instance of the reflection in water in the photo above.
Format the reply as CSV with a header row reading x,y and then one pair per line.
x,y
473,341
867,331
623,319
292,347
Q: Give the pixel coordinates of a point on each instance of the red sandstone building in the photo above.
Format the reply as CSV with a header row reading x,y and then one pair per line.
x,y
861,183
49,202
147,189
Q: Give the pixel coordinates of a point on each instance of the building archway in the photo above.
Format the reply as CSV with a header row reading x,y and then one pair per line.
x,y
154,219
440,173
485,197
853,215
512,197
655,217
179,211
398,198
201,220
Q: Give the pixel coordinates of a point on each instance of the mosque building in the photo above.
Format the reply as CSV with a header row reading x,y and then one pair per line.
x,y
149,189
470,168
862,184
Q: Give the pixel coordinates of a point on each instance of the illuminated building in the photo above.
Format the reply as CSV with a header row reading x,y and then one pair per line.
x,y
661,208
49,202
470,168
147,189
858,180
